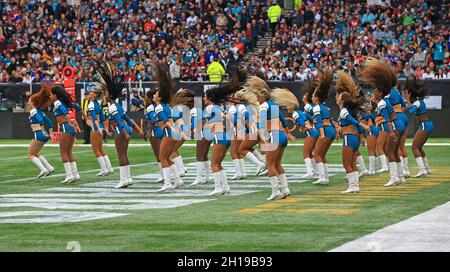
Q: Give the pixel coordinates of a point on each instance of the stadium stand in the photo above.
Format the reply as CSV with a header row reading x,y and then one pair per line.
x,y
39,38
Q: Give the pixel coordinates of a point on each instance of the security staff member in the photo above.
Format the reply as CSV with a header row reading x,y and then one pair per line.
x,y
86,128
274,14
215,71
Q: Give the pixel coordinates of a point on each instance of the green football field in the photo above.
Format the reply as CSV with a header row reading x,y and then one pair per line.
x,y
44,215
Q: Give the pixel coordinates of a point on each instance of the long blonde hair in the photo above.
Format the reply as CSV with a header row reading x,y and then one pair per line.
x,y
285,98
259,87
249,99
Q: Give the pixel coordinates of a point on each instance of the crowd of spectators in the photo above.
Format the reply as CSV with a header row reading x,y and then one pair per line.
x,y
412,35
39,38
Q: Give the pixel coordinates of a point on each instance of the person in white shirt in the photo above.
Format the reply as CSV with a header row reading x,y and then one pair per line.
x,y
428,74
441,75
302,75
28,79
191,20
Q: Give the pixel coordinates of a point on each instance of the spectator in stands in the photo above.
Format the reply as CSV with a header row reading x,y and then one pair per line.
x,y
441,74
408,71
137,102
133,34
43,38
438,51
419,71
428,74
175,69
419,57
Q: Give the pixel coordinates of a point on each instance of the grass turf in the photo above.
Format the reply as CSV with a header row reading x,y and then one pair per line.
x,y
237,223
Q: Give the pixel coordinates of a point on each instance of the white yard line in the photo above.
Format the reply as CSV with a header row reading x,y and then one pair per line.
x,y
82,172
426,232
190,145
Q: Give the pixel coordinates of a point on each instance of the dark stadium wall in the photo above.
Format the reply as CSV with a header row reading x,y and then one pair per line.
x,y
15,125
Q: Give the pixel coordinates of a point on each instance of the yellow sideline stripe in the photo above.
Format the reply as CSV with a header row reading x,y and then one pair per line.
x,y
326,211
275,205
372,189
363,193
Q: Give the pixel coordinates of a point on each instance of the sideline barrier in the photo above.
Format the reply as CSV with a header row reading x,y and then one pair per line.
x,y
15,125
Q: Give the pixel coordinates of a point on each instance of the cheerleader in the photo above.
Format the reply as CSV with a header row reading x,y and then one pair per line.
x,y
164,119
235,141
155,131
381,143
379,76
42,128
249,116
96,119
415,91
216,121
61,105
182,96
324,124
399,119
302,120
351,103
398,103
246,112
215,116
121,123
203,136
273,125
371,140
273,131
361,132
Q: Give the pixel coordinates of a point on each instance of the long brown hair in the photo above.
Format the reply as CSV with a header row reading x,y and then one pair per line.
x,y
356,105
223,92
183,97
323,85
41,98
418,89
166,85
379,75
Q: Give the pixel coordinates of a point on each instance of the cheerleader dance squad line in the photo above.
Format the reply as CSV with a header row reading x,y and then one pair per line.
x,y
240,115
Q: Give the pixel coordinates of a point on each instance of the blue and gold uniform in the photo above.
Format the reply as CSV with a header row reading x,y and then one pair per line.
x,y
60,111
197,120
215,121
308,109
163,114
369,118
272,121
40,124
350,129
119,119
242,115
322,119
95,111
398,103
397,124
149,113
232,121
301,119
419,108
177,115
382,115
